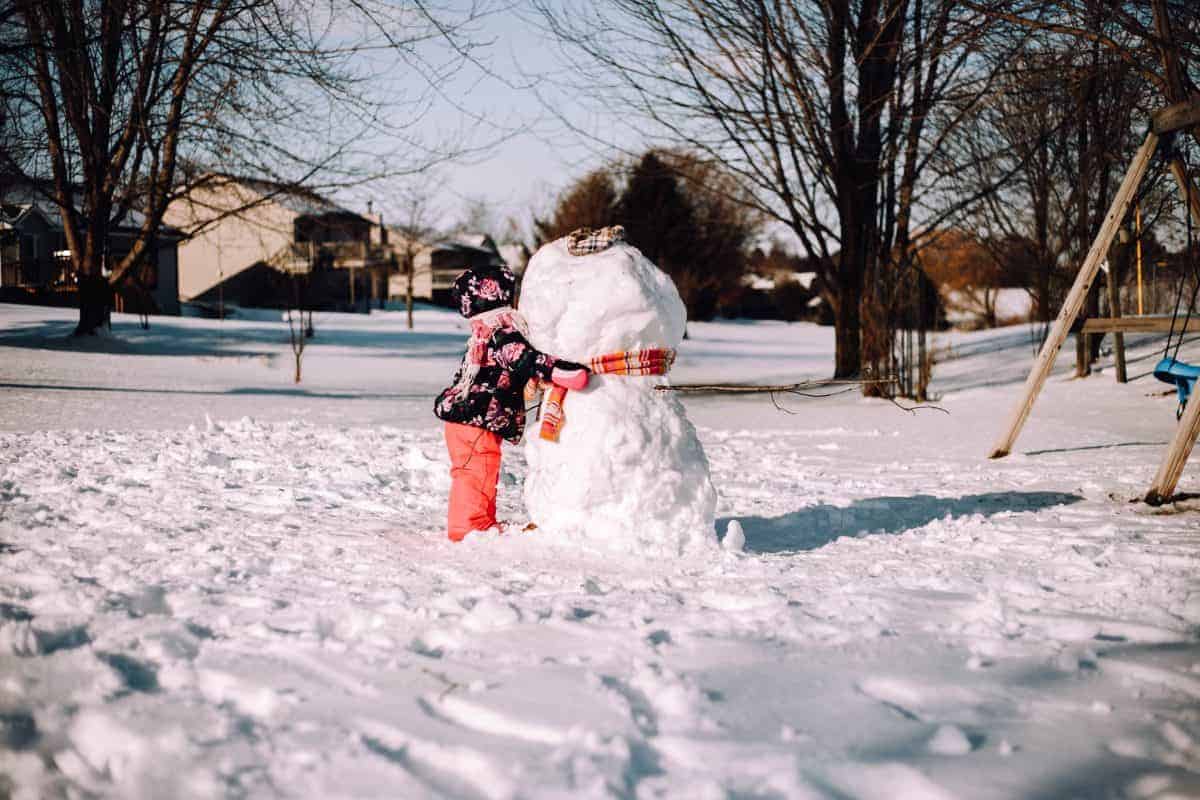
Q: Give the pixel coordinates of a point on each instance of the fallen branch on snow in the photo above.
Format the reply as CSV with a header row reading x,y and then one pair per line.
x,y
756,388
801,389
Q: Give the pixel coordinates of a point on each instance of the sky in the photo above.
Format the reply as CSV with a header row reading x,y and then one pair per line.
x,y
521,155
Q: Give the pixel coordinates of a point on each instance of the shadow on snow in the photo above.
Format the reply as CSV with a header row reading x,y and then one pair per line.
x,y
262,391
240,340
815,526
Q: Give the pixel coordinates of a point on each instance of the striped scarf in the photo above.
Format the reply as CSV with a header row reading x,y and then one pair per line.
x,y
653,361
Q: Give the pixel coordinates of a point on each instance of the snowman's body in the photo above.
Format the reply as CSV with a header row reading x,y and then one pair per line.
x,y
627,469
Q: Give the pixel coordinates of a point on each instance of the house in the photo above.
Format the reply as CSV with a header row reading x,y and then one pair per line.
x,y
27,246
251,237
436,265
516,255
35,264
779,294
403,248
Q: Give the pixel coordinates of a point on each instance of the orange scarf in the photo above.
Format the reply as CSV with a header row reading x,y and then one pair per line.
x,y
654,361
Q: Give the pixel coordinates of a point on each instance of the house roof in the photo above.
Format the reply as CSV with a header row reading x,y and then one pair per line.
x,y
23,199
515,254
462,247
11,214
478,241
297,199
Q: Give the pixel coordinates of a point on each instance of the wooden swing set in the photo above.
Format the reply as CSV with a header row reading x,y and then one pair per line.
x,y
1165,124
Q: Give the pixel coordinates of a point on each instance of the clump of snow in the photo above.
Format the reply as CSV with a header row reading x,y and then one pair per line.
x,y
489,614
628,470
949,740
735,537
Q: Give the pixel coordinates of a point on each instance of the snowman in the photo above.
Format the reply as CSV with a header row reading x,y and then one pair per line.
x,y
617,463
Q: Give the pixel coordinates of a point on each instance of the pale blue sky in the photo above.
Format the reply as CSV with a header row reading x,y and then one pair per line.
x,y
526,156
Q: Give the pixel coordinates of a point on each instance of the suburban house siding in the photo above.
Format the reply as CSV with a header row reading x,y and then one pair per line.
x,y
258,243
231,245
31,269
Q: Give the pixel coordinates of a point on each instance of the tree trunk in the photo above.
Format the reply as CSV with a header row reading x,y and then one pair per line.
x,y
408,292
95,304
847,321
1093,339
852,266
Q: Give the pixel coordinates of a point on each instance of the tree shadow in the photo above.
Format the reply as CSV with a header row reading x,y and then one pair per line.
x,y
263,391
1110,774
1084,448
816,526
170,337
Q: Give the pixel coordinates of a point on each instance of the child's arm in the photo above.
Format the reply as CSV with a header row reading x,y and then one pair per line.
x,y
516,354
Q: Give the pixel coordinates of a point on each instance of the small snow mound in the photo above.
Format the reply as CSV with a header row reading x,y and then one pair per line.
x,y
735,537
415,459
490,614
222,688
1191,608
107,746
949,740
889,781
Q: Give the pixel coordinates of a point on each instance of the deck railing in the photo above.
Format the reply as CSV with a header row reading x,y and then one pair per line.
x,y
22,273
303,256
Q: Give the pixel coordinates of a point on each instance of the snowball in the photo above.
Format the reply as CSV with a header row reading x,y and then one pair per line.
x,y
491,614
949,740
628,471
735,537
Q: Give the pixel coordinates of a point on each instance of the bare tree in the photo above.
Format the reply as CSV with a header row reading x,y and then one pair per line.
x,y
300,328
1098,69
415,230
687,214
478,216
131,105
830,111
1158,40
590,202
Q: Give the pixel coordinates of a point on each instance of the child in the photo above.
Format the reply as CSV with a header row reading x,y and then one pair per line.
x,y
486,402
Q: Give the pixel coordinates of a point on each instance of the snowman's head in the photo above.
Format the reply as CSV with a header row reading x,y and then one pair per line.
x,y
579,307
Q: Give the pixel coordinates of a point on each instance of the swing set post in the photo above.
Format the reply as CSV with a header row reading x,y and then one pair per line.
x,y
1188,429
1167,477
1075,299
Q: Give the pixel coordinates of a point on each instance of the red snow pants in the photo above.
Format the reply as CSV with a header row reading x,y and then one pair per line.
x,y
474,473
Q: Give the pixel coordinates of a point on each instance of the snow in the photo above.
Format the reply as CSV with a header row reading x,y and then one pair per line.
x,y
734,539
264,604
966,307
627,471
763,283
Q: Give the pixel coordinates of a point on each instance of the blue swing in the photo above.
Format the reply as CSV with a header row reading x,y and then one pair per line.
x,y
1169,368
1179,373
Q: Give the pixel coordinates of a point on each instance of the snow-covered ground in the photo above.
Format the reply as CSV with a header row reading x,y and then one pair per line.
x,y
215,583
965,308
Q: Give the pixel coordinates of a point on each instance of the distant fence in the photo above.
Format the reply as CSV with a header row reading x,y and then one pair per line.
x,y
36,274
20,273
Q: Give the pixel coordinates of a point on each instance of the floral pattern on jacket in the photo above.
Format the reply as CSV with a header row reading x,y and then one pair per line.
x,y
495,400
